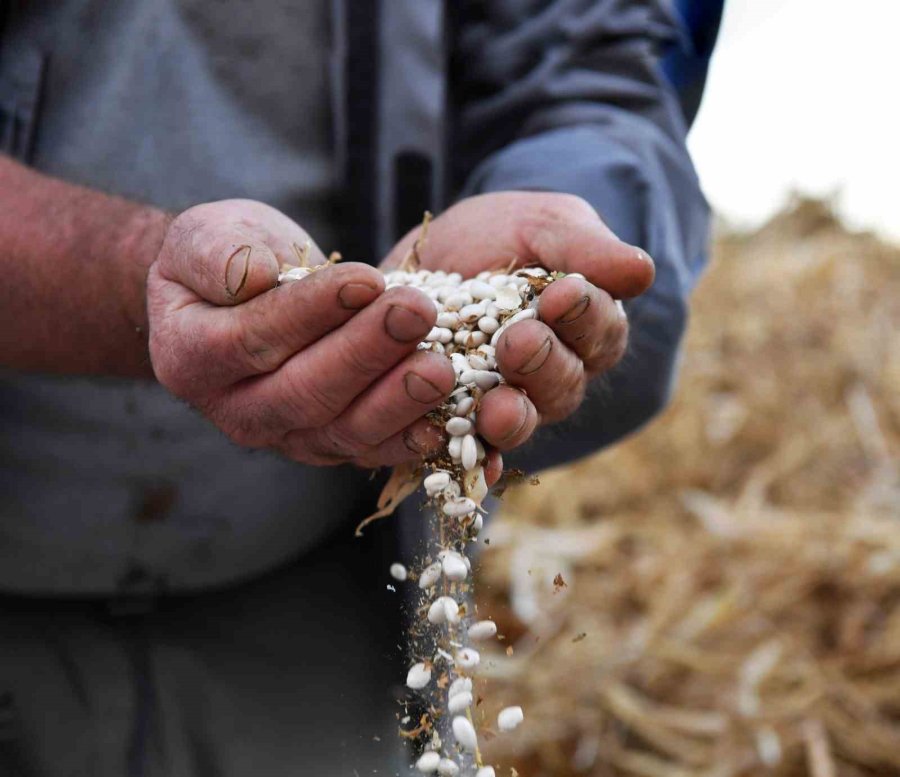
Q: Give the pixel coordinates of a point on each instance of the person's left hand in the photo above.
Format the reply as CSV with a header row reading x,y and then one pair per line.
x,y
582,331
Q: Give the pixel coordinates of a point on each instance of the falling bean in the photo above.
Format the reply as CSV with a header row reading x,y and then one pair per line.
x,y
482,630
418,677
428,762
398,572
459,703
430,575
509,718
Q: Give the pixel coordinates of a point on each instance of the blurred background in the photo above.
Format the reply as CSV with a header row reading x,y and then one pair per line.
x,y
720,594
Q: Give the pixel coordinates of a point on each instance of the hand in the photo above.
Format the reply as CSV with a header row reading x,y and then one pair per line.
x,y
324,370
582,331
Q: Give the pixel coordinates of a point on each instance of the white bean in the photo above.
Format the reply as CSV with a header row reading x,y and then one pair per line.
x,y
398,572
482,630
467,376
454,448
447,319
430,575
508,298
459,685
428,762
468,658
454,567
471,313
439,335
486,379
459,362
447,768
457,427
475,339
295,274
436,482
482,290
464,406
488,324
509,718
468,452
464,733
459,300
486,771
418,677
444,609
522,315
459,507
459,703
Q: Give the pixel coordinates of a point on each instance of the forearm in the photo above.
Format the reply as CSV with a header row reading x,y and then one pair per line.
x,y
73,263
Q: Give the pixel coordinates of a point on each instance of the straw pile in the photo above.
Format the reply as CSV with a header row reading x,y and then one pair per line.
x,y
720,595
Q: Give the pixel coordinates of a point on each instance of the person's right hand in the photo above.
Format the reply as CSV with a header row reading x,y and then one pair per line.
x,y
324,370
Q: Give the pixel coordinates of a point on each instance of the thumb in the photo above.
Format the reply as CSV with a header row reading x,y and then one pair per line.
x,y
589,247
217,260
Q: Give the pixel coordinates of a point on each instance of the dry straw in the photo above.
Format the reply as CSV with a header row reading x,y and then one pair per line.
x,y
721,594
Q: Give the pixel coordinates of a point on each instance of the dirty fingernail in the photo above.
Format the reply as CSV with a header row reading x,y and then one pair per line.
x,y
236,270
537,359
576,311
523,419
354,296
421,389
411,443
405,325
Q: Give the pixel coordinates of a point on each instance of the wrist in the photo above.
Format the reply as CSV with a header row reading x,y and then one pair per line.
x,y
140,238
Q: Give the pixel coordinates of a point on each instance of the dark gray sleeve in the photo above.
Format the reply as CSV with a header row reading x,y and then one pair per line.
x,y
567,96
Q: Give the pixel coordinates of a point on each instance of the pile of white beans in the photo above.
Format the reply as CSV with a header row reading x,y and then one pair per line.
x,y
471,316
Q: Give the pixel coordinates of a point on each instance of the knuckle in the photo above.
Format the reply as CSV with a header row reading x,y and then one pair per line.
x,y
564,205
360,360
610,349
253,351
567,393
248,426
333,440
311,404
298,446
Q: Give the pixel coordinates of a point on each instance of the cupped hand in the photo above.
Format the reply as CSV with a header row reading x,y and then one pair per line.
x,y
324,370
582,331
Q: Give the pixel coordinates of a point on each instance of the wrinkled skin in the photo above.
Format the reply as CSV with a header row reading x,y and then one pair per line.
x,y
326,371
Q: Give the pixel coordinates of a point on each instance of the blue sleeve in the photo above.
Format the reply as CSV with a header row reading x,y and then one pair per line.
x,y
568,96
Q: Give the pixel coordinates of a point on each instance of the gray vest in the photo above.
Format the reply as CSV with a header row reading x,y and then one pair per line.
x,y
110,485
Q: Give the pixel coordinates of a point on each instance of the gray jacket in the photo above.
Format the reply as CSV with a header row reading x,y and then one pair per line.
x,y
111,485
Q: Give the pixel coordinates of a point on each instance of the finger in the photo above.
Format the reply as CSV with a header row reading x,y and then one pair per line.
x,y
320,448
587,320
493,467
225,255
265,224
415,443
506,418
559,231
219,346
225,267
417,385
315,386
587,246
531,357
266,331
